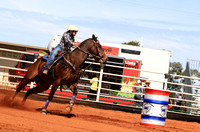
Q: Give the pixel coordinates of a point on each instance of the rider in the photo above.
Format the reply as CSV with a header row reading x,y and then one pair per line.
x,y
66,43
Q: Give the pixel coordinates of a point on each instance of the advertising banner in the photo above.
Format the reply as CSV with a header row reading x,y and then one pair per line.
x,y
129,72
111,50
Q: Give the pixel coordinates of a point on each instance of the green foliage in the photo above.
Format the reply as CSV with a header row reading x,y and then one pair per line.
x,y
129,95
133,43
177,69
113,93
195,72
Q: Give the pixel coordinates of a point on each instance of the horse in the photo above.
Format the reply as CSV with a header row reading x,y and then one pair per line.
x,y
66,71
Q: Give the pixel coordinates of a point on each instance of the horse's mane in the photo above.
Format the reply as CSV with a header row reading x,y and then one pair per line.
x,y
84,42
93,38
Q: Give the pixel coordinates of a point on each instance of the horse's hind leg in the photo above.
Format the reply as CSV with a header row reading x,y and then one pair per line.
x,y
73,88
41,86
29,77
51,94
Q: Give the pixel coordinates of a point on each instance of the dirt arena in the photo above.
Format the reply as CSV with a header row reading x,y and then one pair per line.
x,y
27,118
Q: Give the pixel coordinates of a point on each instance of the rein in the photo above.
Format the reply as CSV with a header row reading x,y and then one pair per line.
x,y
94,56
88,66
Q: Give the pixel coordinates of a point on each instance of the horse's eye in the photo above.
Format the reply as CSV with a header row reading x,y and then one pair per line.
x,y
100,46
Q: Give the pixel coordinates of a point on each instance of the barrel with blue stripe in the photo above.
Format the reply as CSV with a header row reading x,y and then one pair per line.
x,y
155,106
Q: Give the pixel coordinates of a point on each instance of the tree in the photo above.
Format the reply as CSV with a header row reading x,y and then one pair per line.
x,y
195,73
177,69
133,43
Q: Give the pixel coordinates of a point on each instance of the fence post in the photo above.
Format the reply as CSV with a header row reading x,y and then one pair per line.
x,y
100,82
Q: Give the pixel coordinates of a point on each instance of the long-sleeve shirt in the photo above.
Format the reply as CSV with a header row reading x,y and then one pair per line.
x,y
66,41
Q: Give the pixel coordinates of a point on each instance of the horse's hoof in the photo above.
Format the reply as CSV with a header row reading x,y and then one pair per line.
x,y
69,109
44,111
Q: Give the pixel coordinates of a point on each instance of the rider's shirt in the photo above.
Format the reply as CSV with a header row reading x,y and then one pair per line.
x,y
54,42
66,41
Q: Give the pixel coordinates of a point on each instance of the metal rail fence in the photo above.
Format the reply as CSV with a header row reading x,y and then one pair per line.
x,y
110,87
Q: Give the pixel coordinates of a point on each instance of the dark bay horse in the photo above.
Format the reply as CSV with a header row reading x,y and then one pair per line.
x,y
65,72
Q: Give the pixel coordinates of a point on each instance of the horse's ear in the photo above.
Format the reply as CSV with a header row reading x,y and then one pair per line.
x,y
94,37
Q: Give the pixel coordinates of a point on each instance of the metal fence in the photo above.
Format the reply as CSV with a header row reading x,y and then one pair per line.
x,y
110,88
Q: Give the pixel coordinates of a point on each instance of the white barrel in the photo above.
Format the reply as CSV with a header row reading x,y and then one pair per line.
x,y
155,106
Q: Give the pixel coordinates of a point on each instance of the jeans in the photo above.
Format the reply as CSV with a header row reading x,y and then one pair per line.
x,y
52,56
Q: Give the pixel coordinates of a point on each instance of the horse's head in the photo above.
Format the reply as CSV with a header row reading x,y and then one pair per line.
x,y
96,50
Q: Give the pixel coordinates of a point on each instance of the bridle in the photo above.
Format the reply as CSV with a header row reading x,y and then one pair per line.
x,y
94,56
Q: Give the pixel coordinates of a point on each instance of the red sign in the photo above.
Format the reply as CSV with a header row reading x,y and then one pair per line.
x,y
111,50
129,72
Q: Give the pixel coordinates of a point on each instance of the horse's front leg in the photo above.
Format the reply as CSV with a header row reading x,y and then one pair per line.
x,y
73,88
51,94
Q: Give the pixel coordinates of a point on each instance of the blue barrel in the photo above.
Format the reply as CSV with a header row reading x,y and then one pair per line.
x,y
155,106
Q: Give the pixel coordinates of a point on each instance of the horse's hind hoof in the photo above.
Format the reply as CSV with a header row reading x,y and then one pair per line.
x,y
69,109
44,111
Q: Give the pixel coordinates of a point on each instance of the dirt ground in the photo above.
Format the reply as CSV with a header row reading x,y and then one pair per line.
x,y
27,118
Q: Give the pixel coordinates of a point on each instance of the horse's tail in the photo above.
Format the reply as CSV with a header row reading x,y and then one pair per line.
x,y
20,86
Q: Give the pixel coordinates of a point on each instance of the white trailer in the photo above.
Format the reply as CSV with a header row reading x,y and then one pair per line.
x,y
155,61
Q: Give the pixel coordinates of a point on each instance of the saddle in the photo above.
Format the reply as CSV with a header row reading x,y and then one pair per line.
x,y
56,59
59,55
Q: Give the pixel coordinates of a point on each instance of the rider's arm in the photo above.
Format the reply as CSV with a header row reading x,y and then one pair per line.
x,y
68,39
75,44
